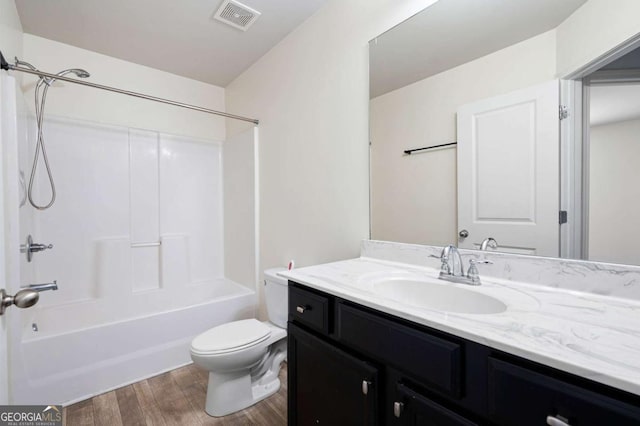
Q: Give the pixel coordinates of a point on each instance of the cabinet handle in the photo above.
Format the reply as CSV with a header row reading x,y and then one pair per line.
x,y
365,386
398,407
301,309
557,421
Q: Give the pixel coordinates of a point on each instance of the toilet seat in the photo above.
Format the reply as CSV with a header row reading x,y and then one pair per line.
x,y
231,337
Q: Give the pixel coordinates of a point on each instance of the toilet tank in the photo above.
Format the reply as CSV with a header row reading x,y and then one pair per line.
x,y
276,296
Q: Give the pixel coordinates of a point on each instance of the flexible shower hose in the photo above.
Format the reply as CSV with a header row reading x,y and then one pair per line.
x,y
40,103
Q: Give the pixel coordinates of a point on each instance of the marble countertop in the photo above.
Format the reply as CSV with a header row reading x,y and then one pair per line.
x,y
592,336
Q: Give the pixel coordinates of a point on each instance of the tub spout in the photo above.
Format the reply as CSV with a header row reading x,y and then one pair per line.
x,y
43,287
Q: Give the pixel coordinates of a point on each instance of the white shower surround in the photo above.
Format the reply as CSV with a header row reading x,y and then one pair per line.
x,y
133,206
138,254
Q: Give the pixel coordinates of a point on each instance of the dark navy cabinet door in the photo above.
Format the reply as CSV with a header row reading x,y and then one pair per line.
x,y
522,397
328,386
414,409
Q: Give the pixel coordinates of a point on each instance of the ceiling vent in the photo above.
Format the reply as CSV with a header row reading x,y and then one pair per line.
x,y
236,14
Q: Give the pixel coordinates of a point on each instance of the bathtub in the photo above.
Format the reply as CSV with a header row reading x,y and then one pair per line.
x,y
57,365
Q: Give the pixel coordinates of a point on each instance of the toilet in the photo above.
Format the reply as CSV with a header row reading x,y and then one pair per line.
x,y
243,357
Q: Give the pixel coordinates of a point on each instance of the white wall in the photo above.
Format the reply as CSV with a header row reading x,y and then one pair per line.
x,y
594,29
310,93
73,101
10,31
614,193
414,197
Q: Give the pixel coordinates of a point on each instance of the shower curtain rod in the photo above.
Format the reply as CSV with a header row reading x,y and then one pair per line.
x,y
8,67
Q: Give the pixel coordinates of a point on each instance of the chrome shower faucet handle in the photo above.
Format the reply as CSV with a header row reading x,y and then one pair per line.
x,y
30,247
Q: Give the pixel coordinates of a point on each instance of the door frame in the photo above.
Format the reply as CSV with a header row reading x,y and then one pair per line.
x,y
574,147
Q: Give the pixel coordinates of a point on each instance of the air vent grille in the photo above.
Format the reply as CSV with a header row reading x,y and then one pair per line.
x,y
236,14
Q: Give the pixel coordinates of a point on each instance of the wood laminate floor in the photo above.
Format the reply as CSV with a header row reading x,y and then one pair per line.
x,y
173,398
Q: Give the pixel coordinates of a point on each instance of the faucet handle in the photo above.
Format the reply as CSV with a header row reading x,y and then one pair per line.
x,y
472,273
444,262
475,262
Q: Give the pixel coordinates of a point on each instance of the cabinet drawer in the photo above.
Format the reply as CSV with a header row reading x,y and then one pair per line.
x,y
416,409
523,397
428,358
309,308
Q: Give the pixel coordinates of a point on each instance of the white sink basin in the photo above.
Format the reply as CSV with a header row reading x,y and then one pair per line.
x,y
441,297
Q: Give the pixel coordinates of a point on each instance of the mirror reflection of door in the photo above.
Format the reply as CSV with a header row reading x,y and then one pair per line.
x,y
509,171
613,165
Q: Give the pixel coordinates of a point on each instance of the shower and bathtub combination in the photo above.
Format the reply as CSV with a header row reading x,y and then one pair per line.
x,y
128,223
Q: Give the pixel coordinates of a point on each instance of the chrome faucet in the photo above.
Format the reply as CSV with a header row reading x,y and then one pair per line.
x,y
488,242
43,287
451,268
452,256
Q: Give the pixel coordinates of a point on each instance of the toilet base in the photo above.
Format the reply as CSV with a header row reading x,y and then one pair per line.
x,y
235,391
230,394
264,390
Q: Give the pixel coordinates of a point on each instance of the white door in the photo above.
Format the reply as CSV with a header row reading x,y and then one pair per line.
x,y
9,235
509,171
6,114
4,341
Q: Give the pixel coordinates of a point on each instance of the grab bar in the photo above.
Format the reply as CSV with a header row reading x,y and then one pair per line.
x,y
411,151
23,189
155,244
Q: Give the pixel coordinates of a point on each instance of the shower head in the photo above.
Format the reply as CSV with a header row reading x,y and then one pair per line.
x,y
18,62
79,72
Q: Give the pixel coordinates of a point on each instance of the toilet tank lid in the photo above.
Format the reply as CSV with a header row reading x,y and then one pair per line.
x,y
272,275
231,335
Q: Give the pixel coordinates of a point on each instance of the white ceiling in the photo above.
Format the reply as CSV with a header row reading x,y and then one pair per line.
x,y
452,32
177,36
613,103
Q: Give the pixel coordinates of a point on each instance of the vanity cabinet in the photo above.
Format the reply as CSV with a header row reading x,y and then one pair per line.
x,y
352,365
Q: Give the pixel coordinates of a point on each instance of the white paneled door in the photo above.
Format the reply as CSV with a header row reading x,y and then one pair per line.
x,y
509,171
7,140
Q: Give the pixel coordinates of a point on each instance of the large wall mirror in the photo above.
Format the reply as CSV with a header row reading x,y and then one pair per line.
x,y
467,136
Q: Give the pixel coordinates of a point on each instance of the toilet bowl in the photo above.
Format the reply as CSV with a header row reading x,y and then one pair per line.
x,y
243,357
